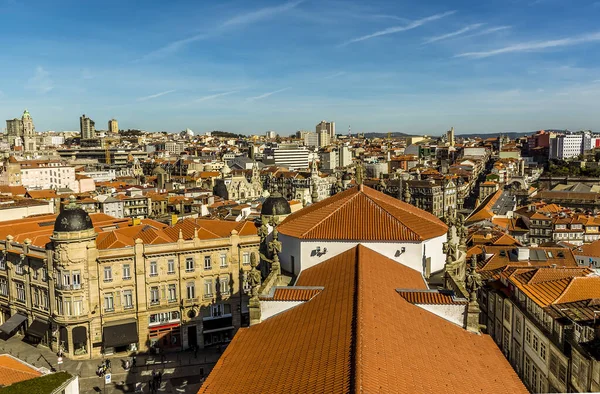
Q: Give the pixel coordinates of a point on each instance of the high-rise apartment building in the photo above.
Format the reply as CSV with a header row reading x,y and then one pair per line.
x,y
566,146
290,156
344,157
87,128
113,126
324,138
328,127
311,139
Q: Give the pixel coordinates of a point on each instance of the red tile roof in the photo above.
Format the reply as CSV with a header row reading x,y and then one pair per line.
x,y
362,213
359,335
430,297
13,371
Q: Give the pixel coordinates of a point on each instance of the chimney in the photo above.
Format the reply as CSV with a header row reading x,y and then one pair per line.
x,y
523,254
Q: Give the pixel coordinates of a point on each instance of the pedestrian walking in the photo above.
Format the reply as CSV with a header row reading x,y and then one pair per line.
x,y
163,358
133,362
159,377
151,386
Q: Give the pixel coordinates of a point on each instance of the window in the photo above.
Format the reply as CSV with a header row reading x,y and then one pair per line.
x,y
543,351
191,290
45,300
207,263
77,308
20,291
67,307
127,299
517,323
189,264
246,258
527,369
76,279
2,263
36,296
171,267
154,296
536,343
172,293
108,274
208,288
246,284
224,285
35,274
507,311
528,335
44,274
19,269
216,310
126,271
3,287
223,259
153,268
59,305
109,304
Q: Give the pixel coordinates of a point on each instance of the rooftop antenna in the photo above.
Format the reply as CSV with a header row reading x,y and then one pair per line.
x,y
349,131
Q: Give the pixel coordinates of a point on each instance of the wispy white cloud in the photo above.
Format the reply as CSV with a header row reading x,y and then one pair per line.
x,y
489,30
398,29
236,21
454,33
258,15
335,75
40,81
265,95
153,96
214,96
534,46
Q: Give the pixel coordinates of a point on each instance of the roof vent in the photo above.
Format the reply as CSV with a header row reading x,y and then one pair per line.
x,y
503,253
561,255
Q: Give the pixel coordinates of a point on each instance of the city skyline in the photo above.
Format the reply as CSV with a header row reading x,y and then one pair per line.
x,y
283,66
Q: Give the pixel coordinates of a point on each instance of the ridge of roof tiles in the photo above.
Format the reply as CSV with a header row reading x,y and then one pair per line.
x,y
360,335
362,213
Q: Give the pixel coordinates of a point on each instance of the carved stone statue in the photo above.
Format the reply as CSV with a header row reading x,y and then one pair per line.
x,y
254,277
263,230
360,173
473,280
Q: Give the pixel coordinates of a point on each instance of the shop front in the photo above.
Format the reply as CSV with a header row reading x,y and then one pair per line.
x,y
217,330
15,323
120,336
38,332
164,330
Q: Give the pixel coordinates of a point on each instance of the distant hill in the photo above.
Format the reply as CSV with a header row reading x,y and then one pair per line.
x,y
511,135
384,135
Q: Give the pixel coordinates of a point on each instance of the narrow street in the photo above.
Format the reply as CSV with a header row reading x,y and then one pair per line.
x,y
182,371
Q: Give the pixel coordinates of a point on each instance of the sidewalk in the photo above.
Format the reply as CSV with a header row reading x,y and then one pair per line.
x,y
181,369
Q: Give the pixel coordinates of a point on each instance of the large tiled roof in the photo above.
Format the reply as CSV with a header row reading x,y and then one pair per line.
x,y
362,214
360,335
13,370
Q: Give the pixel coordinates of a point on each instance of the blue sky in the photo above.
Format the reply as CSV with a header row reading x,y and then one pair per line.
x,y
251,66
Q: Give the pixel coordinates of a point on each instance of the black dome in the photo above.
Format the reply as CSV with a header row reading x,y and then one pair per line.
x,y
346,177
277,203
73,219
220,190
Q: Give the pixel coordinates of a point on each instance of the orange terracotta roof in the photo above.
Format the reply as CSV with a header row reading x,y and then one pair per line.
x,y
362,213
13,371
430,297
589,250
295,293
372,341
484,210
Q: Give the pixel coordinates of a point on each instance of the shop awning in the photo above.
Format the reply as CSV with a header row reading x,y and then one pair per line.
x,y
13,323
38,328
120,335
217,324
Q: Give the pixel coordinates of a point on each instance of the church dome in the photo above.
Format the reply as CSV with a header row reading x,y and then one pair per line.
x,y
275,204
73,218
